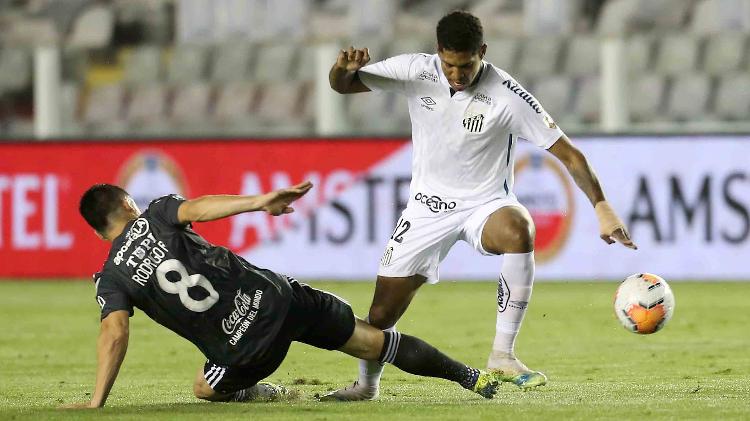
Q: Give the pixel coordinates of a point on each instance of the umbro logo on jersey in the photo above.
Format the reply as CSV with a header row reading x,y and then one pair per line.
x,y
427,103
427,100
474,123
516,89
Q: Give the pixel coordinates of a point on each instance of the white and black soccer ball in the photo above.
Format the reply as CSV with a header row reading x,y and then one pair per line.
x,y
644,303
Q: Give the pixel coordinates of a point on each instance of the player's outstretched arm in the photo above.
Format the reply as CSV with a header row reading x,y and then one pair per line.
x,y
611,227
343,75
110,349
209,208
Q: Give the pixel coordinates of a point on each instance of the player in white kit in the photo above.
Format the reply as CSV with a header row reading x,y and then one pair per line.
x,y
467,117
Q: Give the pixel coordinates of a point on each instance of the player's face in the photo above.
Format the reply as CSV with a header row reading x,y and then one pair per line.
x,y
461,67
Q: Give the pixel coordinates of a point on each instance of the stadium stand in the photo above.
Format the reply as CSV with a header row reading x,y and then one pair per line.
x,y
239,68
688,97
724,53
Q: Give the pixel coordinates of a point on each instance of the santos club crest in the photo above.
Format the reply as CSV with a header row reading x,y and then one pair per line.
x,y
474,123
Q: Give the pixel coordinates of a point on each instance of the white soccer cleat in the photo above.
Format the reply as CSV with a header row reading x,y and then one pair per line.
x,y
263,391
355,392
507,368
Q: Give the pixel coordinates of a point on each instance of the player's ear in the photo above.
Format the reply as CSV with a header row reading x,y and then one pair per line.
x,y
482,51
129,205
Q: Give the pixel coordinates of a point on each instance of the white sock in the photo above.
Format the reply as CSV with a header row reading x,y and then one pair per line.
x,y
370,371
514,290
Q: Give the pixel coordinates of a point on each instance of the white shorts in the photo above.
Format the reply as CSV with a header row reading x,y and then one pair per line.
x,y
427,230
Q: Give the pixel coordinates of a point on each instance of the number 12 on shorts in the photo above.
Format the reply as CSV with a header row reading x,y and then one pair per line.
x,y
401,227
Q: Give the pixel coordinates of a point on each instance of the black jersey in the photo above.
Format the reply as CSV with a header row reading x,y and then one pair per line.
x,y
230,309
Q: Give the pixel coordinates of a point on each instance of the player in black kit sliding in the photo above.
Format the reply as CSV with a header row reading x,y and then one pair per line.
x,y
241,317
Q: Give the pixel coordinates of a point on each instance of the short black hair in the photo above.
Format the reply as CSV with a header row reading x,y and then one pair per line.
x,y
99,202
460,31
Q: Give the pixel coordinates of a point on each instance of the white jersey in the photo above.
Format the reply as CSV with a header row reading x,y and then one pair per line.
x,y
463,144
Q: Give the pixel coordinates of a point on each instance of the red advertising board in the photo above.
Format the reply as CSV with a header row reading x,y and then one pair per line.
x,y
42,234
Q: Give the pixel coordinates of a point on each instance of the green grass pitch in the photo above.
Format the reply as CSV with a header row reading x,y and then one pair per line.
x,y
698,367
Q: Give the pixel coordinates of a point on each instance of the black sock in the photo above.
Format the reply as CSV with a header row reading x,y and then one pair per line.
x,y
416,356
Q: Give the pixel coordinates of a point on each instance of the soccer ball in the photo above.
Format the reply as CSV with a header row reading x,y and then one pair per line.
x,y
644,303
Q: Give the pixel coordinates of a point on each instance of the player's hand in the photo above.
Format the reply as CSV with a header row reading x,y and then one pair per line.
x,y
277,203
611,227
352,59
77,405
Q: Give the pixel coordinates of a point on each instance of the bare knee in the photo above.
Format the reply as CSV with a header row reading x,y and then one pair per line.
x,y
383,316
366,342
202,390
521,234
509,230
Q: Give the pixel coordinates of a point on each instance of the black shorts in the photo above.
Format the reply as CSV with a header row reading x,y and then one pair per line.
x,y
315,317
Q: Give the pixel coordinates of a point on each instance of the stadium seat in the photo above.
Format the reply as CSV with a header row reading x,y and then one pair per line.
x,y
733,97
372,18
503,52
190,104
92,28
646,96
412,45
147,105
583,56
75,64
329,19
143,65
70,94
554,93
676,54
539,57
235,101
187,64
720,16
616,16
639,53
282,19
231,62
500,17
418,17
282,107
724,53
550,17
379,113
274,62
587,99
688,97
626,16
303,69
103,104
15,69
662,15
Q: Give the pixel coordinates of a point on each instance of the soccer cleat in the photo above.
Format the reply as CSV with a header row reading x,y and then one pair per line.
x,y
355,392
266,392
486,385
527,380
